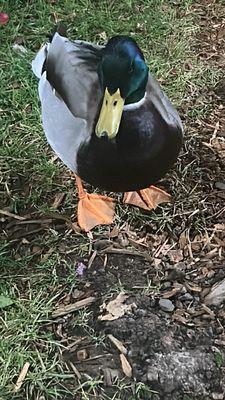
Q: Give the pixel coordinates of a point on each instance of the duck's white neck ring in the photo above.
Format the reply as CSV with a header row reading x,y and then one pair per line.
x,y
134,106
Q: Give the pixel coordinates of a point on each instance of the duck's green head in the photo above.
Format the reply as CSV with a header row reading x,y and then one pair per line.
x,y
123,76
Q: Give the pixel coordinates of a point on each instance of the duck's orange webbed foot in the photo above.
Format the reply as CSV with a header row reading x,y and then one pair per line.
x,y
148,198
93,209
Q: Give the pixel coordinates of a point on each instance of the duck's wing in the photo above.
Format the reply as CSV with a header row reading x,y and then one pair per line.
x,y
69,92
163,104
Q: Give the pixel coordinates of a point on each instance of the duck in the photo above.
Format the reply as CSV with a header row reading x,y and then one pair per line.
x,y
108,120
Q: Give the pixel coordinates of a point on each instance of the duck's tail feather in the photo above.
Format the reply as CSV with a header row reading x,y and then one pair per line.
x,y
39,61
38,64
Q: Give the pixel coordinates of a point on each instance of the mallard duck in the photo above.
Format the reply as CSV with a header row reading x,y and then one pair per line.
x,y
108,120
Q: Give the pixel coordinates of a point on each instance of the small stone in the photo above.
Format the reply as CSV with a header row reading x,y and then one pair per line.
x,y
166,305
166,285
186,297
176,274
220,185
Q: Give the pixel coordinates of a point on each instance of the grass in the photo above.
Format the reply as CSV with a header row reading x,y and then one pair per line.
x,y
30,177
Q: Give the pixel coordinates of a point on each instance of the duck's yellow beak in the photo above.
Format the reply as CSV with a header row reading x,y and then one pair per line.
x,y
110,115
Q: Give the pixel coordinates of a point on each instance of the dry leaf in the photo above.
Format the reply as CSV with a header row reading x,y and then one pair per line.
x,y
126,367
116,308
175,256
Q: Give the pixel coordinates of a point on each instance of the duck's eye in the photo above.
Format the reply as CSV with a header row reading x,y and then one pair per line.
x,y
115,103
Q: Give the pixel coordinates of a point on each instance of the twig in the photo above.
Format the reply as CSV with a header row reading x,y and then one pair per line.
x,y
160,248
9,214
24,234
35,221
63,310
93,358
75,370
112,250
92,258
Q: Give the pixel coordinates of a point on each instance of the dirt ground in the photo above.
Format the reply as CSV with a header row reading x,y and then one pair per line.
x,y
173,329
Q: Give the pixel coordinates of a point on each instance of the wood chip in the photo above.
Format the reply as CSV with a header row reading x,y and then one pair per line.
x,y
179,318
118,344
73,346
182,240
193,288
208,310
63,310
58,200
126,367
82,354
21,377
171,293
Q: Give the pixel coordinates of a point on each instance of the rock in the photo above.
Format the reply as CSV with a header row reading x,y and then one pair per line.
x,y
220,185
218,396
166,305
216,295
179,370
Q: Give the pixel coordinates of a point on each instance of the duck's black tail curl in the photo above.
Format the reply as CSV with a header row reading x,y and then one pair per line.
x,y
60,28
